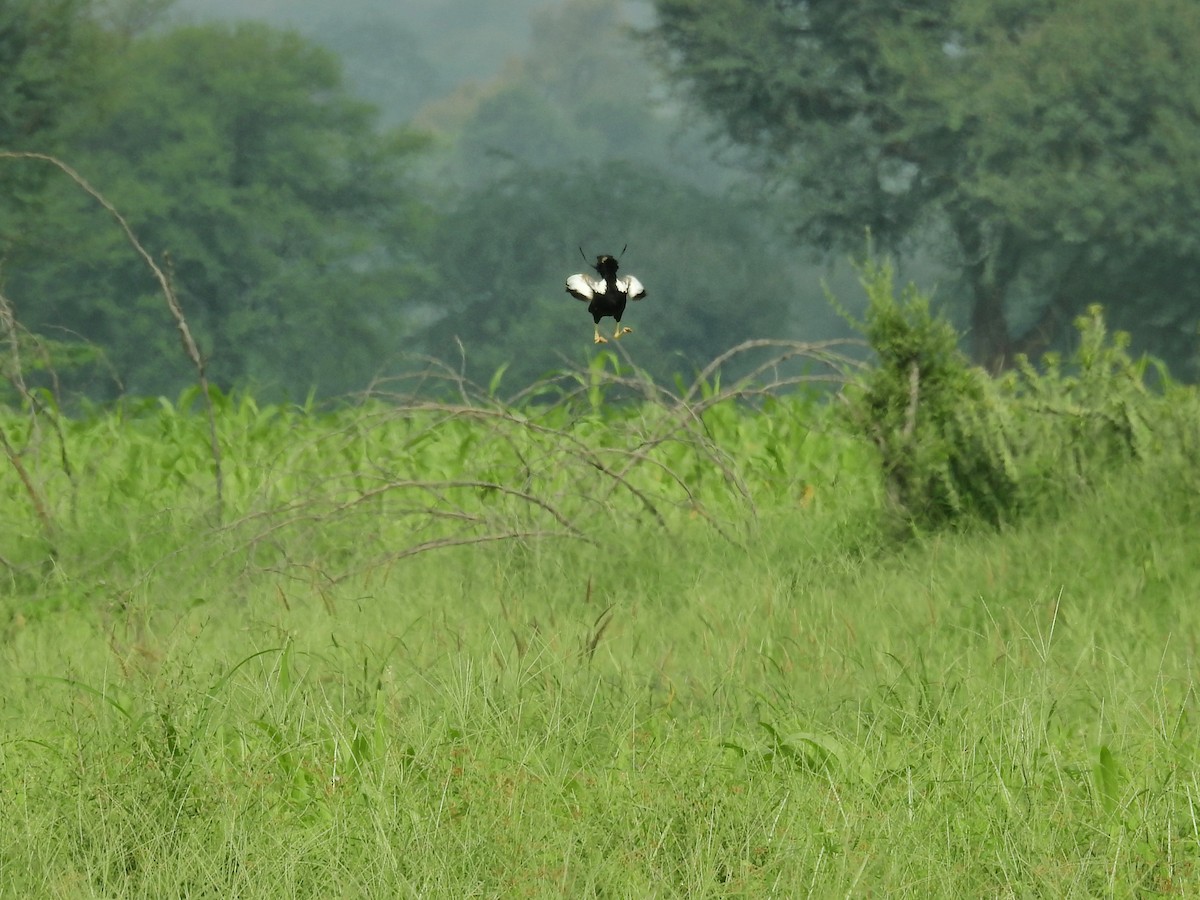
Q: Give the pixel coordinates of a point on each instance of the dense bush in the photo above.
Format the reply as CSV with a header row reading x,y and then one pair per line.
x,y
955,444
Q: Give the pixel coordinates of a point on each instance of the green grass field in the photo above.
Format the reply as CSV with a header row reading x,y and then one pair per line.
x,y
658,649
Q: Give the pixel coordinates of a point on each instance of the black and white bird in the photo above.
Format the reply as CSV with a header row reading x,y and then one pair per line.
x,y
606,295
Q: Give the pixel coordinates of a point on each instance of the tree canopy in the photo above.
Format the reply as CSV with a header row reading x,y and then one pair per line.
x,y
507,248
43,66
311,247
567,148
46,54
585,92
1050,141
290,225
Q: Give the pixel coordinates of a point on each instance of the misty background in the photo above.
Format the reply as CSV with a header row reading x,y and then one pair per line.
x,y
344,192
533,128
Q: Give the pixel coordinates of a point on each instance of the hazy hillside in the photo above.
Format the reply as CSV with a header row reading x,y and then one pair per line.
x,y
400,55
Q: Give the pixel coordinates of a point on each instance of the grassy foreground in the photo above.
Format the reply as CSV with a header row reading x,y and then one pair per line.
x,y
623,655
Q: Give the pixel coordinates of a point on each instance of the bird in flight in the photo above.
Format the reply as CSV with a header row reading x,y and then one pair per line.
x,y
606,295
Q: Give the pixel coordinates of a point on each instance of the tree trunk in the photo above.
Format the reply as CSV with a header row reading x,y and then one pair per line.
x,y
991,342
1069,289
992,263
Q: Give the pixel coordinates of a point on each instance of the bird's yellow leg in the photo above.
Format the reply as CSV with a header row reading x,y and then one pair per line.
x,y
598,339
620,331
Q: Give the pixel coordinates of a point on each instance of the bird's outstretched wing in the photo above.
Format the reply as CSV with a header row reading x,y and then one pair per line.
x,y
632,288
584,287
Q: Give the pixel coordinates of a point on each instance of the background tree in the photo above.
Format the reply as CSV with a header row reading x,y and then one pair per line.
x,y
584,92
46,55
1083,132
41,47
461,39
1047,140
291,227
302,235
713,278
385,63
573,145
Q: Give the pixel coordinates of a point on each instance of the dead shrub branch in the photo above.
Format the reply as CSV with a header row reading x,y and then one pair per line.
x,y
190,348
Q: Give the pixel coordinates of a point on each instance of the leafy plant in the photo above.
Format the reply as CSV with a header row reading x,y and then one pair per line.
x,y
306,701
954,444
1053,170
931,416
271,208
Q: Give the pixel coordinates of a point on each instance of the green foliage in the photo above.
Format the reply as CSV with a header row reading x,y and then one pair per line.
x,y
583,94
956,445
701,258
304,255
403,477
1097,402
1086,156
928,412
660,712
46,50
1018,133
386,64
291,228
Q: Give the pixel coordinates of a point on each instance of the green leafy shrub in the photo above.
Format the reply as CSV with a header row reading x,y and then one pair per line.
x,y
955,444
1081,417
932,417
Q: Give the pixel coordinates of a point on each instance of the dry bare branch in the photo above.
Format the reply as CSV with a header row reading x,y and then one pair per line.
x,y
185,334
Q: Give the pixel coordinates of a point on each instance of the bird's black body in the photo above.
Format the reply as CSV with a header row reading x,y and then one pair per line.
x,y
612,301
606,295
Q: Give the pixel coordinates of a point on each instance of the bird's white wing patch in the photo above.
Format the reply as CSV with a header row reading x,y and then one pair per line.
x,y
583,287
632,287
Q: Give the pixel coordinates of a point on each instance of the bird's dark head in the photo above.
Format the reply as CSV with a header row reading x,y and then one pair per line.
x,y
607,266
